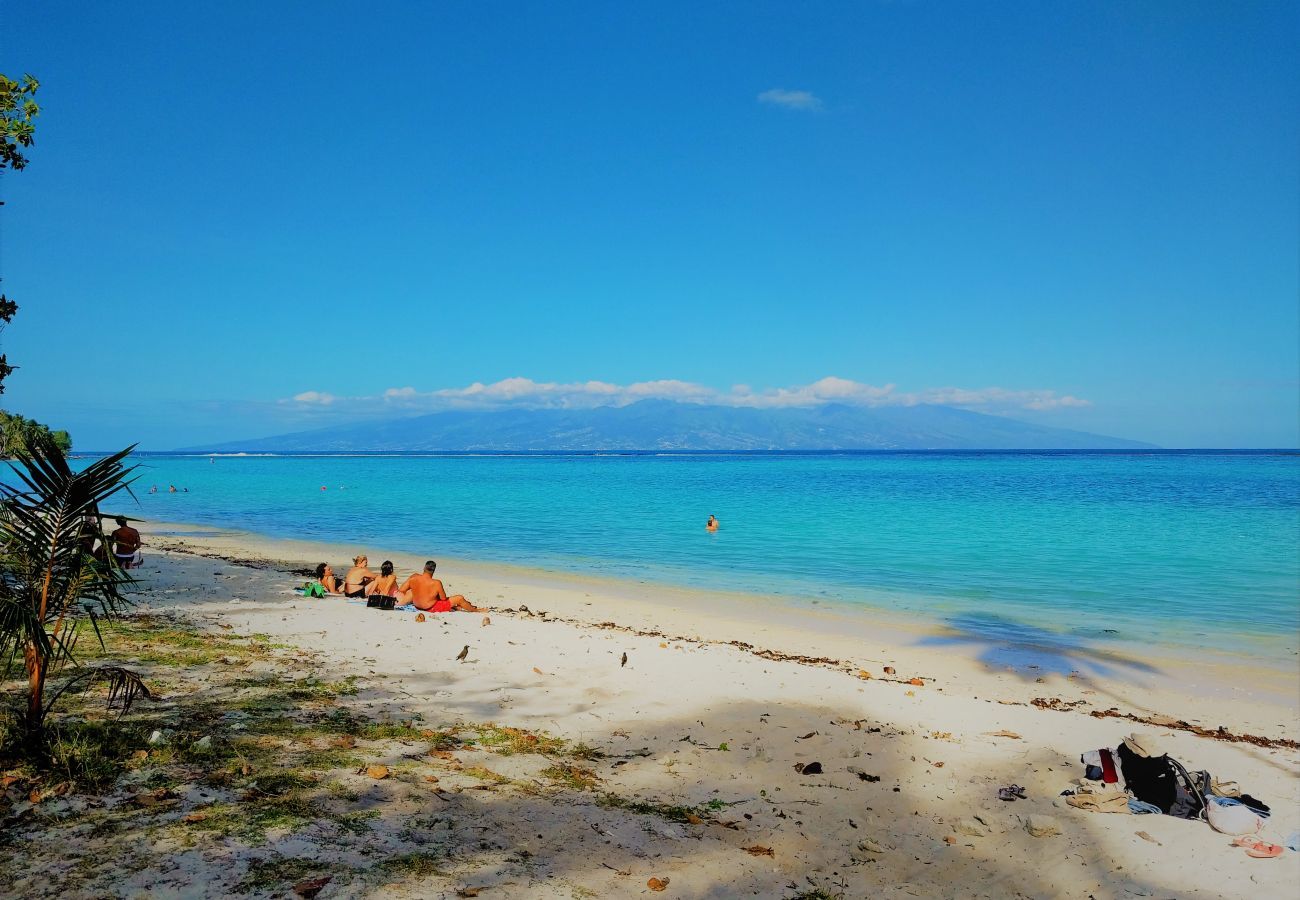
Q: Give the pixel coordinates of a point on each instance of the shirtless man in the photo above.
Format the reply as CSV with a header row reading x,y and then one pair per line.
x,y
427,593
126,543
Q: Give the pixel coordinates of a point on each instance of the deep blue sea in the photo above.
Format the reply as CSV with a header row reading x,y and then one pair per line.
x,y
1189,548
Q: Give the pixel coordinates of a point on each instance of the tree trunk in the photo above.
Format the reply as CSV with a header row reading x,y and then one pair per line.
x,y
35,667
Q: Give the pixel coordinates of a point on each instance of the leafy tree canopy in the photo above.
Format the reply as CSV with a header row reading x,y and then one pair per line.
x,y
17,112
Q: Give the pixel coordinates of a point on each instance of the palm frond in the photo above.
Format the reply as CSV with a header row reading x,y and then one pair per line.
x,y
124,686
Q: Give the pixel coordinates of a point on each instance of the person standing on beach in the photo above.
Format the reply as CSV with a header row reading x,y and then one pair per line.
x,y
428,594
126,544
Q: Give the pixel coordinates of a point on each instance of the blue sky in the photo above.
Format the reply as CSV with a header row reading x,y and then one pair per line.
x,y
1080,214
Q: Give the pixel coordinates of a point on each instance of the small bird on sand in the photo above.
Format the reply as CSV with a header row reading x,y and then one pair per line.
x,y
462,654
624,662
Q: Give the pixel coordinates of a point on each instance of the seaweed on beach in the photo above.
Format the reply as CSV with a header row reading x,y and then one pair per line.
x,y
1217,734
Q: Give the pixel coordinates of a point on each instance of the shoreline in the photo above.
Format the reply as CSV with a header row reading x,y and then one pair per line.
x,y
589,738
1208,688
1267,652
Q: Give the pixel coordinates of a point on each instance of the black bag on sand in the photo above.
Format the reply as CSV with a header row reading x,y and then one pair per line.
x,y
1149,778
1162,781
378,601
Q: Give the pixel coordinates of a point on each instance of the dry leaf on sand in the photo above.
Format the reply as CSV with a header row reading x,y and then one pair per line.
x,y
538,671
692,819
486,622
1003,733
377,771
420,618
864,674
432,779
658,884
889,670
467,892
916,681
756,850
312,887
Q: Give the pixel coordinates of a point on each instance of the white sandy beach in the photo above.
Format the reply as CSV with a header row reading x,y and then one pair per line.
x,y
931,825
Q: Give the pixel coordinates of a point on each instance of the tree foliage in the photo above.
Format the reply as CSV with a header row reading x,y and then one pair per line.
x,y
18,110
17,431
51,580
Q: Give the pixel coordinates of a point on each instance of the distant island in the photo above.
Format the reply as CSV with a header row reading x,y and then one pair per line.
x,y
668,425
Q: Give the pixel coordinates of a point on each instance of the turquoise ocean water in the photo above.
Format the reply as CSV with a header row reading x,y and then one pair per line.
x,y
1192,549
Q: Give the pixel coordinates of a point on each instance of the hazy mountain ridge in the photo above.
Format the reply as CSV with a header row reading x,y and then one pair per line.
x,y
668,425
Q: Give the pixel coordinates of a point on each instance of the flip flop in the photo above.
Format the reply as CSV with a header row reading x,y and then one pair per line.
x,y
1015,792
1258,849
1265,851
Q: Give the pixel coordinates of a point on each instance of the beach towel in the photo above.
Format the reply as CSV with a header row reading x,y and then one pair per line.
x,y
1111,801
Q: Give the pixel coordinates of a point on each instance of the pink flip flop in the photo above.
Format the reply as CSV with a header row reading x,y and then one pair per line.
x,y
1258,849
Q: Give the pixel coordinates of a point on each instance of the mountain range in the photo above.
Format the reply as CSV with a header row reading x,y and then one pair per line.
x,y
666,425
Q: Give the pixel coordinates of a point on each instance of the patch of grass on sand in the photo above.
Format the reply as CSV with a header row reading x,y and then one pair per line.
x,y
355,822
417,865
573,777
508,741
267,874
91,754
671,812
252,818
328,759
161,641
483,774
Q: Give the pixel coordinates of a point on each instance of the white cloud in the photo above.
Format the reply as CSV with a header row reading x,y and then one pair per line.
x,y
528,394
999,398
801,100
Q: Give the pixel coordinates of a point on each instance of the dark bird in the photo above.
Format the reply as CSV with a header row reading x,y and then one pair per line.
x,y
624,662
462,654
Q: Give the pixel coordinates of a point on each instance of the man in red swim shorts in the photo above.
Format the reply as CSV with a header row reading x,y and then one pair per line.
x,y
428,594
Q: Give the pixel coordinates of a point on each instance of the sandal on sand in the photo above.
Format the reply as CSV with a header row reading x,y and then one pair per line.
x,y
1258,849
1015,792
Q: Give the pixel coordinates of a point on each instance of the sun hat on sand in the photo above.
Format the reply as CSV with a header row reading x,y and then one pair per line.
x,y
1144,745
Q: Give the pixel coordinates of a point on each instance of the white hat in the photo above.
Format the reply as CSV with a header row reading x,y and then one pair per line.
x,y
1144,745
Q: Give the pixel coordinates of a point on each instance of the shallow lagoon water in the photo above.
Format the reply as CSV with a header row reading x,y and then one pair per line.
x,y
1190,549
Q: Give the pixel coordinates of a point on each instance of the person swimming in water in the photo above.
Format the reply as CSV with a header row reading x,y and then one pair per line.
x,y
712,524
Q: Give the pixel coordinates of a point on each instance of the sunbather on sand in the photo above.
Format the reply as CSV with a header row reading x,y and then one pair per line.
x,y
386,584
325,575
427,593
354,583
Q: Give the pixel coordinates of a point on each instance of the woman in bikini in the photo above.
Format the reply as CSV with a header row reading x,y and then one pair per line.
x,y
386,584
354,583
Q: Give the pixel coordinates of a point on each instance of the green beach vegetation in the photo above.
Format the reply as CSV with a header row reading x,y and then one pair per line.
x,y
51,580
56,571
18,112
17,431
